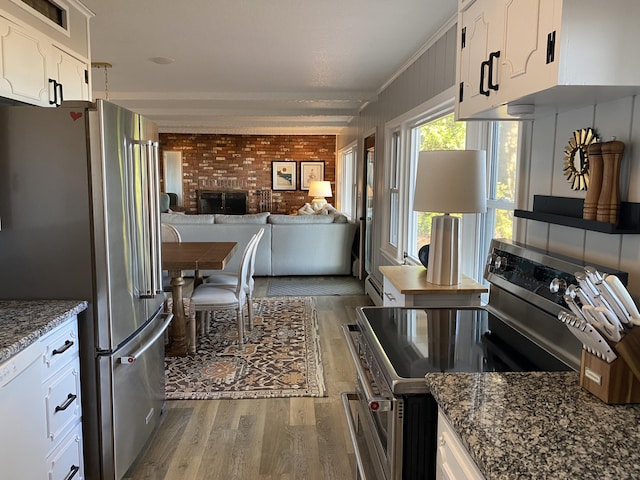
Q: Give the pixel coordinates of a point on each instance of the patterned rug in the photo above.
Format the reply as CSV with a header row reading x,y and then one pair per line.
x,y
314,286
281,358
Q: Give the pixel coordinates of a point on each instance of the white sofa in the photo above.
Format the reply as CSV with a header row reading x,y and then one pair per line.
x,y
291,244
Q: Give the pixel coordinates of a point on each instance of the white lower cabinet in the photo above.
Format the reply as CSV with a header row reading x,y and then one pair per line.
x,y
61,393
453,462
41,428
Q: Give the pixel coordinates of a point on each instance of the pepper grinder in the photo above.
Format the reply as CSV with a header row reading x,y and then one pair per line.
x,y
590,209
609,199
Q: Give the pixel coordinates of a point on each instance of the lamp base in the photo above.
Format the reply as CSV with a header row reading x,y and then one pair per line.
x,y
318,203
444,251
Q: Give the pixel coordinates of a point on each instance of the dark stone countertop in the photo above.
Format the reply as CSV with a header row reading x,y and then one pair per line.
x,y
23,322
539,426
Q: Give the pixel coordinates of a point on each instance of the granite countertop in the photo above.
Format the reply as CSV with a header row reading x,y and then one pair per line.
x,y
23,322
539,426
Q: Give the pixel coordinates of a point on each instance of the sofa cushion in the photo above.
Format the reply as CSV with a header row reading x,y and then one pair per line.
x,y
182,219
251,218
298,219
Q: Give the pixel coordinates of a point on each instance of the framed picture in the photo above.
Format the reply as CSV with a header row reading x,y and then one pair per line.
x,y
310,171
283,175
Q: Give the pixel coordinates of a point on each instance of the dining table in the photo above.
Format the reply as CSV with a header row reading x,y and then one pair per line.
x,y
197,256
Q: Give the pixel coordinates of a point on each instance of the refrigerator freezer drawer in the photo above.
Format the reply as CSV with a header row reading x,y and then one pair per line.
x,y
135,376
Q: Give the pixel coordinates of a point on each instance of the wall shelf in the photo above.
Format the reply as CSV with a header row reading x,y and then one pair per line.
x,y
568,212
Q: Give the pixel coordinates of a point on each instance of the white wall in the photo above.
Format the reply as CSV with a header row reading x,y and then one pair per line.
x,y
431,73
620,119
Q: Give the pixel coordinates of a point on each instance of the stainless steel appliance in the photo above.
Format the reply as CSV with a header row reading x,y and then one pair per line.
x,y
392,417
80,220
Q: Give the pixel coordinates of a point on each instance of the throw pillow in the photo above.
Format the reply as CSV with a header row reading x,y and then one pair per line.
x,y
299,219
252,218
182,219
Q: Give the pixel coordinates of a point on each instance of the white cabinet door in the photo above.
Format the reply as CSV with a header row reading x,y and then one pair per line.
x,y
23,70
528,61
22,422
453,462
480,39
72,74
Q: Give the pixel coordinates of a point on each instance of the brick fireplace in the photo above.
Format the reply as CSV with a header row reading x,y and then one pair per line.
x,y
220,162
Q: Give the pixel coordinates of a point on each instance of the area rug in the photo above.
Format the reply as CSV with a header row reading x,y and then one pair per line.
x,y
282,356
314,286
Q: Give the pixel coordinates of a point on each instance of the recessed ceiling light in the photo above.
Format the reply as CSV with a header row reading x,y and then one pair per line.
x,y
162,60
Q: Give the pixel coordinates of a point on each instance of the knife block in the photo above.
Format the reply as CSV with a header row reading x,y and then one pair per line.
x,y
615,382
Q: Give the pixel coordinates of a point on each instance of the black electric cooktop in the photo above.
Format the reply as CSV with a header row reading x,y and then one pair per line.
x,y
410,342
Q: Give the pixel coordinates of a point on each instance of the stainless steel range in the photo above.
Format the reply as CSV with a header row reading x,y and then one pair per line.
x,y
391,415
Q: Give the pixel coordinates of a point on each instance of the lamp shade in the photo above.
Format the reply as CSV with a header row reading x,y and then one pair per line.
x,y
319,188
451,181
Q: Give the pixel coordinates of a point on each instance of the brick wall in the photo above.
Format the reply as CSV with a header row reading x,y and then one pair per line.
x,y
243,162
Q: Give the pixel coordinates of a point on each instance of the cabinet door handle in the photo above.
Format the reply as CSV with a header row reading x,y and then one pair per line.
x,y
67,345
482,68
61,99
70,399
72,472
492,56
53,93
551,47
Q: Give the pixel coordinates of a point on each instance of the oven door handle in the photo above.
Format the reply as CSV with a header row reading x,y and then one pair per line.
x,y
376,403
347,397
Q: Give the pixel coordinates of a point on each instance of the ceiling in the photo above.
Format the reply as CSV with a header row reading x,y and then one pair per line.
x,y
256,66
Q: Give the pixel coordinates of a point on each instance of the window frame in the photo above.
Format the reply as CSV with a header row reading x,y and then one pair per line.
x,y
402,154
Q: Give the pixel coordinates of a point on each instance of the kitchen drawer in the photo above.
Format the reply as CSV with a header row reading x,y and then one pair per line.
x,y
391,297
60,346
62,402
65,463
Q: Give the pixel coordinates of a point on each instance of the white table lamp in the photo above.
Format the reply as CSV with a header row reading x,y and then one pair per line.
x,y
449,181
319,190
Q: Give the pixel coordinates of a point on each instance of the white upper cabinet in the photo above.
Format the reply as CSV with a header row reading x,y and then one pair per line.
x,y
23,70
546,53
38,69
72,74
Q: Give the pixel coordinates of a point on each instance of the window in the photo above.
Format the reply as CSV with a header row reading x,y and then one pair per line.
x,y
442,133
502,153
346,181
394,189
432,126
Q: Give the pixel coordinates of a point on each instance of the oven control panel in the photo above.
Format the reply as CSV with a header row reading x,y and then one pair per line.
x,y
535,275
529,275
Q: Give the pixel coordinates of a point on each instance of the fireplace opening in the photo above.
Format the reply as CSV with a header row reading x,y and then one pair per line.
x,y
230,202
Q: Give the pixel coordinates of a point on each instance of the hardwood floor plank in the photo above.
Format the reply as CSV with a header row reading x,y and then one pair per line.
x,y
263,439
301,411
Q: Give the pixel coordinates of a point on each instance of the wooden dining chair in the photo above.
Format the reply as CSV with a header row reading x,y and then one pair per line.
x,y
207,298
230,279
169,234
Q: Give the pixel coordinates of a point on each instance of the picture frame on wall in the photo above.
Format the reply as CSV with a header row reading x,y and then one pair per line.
x,y
310,171
283,175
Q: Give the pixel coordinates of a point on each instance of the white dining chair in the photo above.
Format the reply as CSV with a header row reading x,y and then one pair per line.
x,y
208,298
230,279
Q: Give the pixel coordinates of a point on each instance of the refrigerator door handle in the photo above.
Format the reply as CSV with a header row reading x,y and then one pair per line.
x,y
131,359
148,232
154,201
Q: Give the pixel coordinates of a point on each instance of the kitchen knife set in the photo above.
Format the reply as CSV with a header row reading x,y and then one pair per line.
x,y
602,311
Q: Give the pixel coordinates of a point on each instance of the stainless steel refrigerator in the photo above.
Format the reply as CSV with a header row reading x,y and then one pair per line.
x,y
79,219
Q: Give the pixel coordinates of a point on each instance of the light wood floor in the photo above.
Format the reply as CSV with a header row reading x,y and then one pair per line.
x,y
279,438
